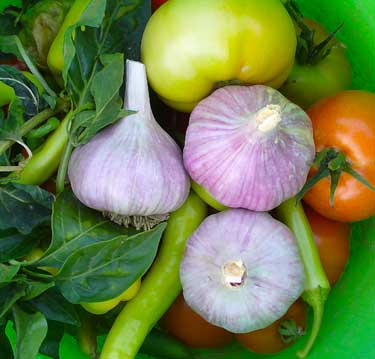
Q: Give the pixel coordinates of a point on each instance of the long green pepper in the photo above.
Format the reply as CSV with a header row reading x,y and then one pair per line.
x,y
317,286
160,287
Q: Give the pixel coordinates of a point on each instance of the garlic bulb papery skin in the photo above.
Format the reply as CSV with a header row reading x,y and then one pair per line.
x,y
249,147
131,170
241,270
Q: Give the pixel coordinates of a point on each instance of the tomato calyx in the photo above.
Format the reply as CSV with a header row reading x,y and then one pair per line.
x,y
308,52
289,331
331,163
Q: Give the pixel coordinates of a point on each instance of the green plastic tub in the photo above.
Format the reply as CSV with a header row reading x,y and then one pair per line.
x,y
348,330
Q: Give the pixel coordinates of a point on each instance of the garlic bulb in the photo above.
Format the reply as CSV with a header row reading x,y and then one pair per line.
x,y
132,170
249,147
241,270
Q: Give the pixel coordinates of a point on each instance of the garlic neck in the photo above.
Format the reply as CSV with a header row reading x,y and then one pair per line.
x,y
268,118
136,94
234,273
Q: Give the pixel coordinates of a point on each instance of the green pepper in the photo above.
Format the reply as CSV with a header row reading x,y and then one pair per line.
x,y
317,286
46,158
55,57
160,287
7,93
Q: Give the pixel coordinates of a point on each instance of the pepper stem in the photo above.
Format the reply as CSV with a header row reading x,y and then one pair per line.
x,y
318,309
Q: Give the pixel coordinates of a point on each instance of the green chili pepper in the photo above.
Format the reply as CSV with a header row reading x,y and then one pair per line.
x,y
86,335
317,286
55,57
35,136
7,93
160,344
160,287
46,159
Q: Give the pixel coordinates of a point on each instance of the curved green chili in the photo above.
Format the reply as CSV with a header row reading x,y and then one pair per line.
x,y
160,287
45,161
55,57
317,286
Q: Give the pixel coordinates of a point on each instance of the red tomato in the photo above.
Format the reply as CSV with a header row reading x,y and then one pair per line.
x,y
156,3
269,340
345,122
186,325
332,239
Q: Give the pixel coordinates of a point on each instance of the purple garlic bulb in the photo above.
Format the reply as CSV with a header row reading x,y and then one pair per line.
x,y
241,270
132,170
249,147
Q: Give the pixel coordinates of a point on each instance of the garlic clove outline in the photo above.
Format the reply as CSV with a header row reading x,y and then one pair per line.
x,y
241,270
249,147
132,171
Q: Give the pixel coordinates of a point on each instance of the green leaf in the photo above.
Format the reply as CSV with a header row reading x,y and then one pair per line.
x,y
8,272
6,351
51,343
8,45
28,93
5,3
75,226
31,330
14,245
24,207
93,72
104,270
34,289
55,307
9,295
15,119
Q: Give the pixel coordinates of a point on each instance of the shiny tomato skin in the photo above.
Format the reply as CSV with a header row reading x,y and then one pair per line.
x,y
332,240
187,326
346,122
268,340
191,47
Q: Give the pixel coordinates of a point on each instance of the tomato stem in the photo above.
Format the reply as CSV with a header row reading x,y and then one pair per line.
x,y
289,331
331,163
308,52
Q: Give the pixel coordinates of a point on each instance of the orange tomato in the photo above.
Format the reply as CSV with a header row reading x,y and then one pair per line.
x,y
186,325
269,340
332,239
346,122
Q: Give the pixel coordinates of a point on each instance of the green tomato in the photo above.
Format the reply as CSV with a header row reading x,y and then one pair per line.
x,y
107,305
192,47
309,82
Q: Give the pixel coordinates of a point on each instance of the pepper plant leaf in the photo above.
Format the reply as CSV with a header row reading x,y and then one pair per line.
x,y
75,226
31,329
24,207
104,270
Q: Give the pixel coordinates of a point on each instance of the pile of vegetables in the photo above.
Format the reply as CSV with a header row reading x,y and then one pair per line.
x,y
135,234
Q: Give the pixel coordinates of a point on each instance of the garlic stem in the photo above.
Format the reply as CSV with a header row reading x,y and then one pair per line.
x,y
234,273
268,118
137,97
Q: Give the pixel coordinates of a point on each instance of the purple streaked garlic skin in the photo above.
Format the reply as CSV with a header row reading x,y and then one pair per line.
x,y
241,270
249,147
133,167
